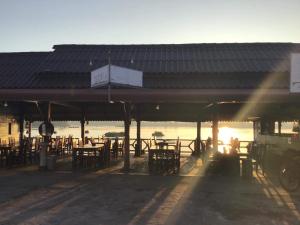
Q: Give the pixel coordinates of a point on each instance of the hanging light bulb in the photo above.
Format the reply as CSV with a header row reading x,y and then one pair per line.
x,y
5,104
157,107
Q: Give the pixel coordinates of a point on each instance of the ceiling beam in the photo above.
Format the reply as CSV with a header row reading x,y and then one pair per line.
x,y
148,95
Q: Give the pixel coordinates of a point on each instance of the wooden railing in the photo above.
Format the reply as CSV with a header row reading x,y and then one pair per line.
x,y
187,145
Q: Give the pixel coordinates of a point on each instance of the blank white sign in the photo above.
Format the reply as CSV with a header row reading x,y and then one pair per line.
x,y
118,76
295,73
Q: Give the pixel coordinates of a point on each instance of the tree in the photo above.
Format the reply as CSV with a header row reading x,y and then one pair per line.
x,y
157,134
114,134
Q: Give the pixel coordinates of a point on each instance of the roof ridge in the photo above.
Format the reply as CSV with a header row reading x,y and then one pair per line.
x,y
174,44
24,53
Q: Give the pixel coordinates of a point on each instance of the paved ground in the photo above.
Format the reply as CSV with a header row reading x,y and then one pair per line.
x,y
108,196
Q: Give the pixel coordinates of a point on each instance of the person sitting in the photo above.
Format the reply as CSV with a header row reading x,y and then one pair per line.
x,y
235,147
208,143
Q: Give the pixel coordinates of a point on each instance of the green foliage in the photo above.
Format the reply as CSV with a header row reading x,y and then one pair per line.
x,y
114,134
157,134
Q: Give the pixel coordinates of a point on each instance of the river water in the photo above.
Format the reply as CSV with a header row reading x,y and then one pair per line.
x,y
172,130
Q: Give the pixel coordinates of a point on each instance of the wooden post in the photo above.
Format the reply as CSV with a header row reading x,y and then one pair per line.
x,y
127,121
254,127
82,130
29,129
49,112
215,131
138,138
138,146
198,139
279,127
21,137
82,122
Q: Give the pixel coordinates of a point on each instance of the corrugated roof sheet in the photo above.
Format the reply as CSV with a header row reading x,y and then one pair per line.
x,y
176,58
232,65
17,69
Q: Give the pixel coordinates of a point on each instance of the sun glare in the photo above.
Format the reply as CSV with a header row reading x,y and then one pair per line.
x,y
225,133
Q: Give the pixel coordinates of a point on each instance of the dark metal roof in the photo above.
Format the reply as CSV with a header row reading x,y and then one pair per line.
x,y
175,58
17,69
232,65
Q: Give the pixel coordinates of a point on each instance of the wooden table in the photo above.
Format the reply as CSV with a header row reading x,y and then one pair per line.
x,y
97,143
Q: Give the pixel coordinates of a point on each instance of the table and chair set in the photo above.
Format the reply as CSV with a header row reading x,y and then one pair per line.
x,y
9,152
92,155
165,157
97,153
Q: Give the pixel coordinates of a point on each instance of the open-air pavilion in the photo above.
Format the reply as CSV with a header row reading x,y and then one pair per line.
x,y
188,82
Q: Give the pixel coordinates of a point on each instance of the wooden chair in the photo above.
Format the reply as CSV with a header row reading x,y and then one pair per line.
x,y
121,147
35,150
2,156
115,147
163,161
11,141
80,143
106,153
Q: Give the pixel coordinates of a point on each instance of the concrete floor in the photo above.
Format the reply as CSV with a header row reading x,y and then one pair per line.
x,y
109,196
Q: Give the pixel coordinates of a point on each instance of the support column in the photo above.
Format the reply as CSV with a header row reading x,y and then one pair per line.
x,y
127,121
82,130
215,131
21,137
46,111
82,122
29,129
279,127
198,139
254,127
138,139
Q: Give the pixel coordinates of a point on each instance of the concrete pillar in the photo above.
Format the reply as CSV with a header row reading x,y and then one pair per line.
x,y
127,121
46,109
215,131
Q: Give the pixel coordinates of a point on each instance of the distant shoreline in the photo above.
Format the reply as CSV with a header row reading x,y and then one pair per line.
x,y
74,124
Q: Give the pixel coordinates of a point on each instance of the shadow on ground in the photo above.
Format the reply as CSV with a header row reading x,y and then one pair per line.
x,y
109,196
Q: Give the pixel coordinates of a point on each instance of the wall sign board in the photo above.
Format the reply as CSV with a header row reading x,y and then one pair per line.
x,y
118,76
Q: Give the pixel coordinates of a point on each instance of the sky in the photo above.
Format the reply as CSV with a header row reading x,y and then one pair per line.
x,y
37,25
